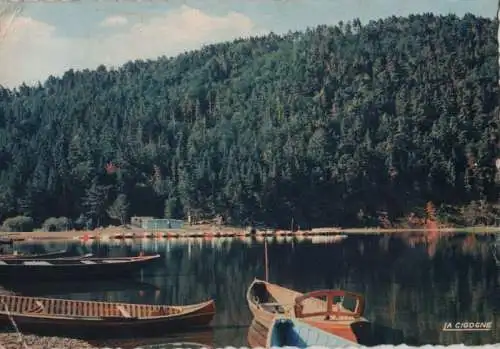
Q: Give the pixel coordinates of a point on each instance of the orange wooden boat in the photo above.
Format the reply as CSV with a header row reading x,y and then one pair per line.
x,y
36,314
287,332
334,311
257,335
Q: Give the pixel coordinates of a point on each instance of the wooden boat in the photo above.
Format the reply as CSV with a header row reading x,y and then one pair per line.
x,y
55,254
288,332
257,335
328,310
89,318
69,268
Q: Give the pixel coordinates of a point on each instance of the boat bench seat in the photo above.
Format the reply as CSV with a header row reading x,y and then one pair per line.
x,y
123,311
38,308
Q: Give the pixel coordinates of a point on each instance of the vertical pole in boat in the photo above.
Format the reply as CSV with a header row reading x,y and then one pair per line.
x,y
265,259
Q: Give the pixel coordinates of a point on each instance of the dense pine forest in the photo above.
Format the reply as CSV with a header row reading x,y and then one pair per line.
x,y
351,125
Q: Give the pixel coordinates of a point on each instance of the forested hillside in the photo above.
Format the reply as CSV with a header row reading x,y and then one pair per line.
x,y
335,125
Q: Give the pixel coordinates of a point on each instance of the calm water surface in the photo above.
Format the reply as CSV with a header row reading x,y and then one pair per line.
x,y
412,284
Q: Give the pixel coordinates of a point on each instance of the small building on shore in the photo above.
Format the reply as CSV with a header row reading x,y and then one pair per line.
x,y
151,223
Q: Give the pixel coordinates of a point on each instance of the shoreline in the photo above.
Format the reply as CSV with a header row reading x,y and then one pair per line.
x,y
11,340
214,232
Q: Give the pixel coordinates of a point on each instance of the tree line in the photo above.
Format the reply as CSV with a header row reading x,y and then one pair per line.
x,y
336,125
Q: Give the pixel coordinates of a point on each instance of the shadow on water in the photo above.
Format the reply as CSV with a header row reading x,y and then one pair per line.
x,y
30,248
412,284
201,337
56,289
371,334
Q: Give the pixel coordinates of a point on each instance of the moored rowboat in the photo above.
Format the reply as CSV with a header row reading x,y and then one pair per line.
x,y
199,338
287,332
89,318
71,268
328,310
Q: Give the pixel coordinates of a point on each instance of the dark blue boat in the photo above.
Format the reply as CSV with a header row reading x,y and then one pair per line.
x,y
72,268
291,332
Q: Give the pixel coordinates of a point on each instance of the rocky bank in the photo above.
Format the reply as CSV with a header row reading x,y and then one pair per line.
x,y
11,341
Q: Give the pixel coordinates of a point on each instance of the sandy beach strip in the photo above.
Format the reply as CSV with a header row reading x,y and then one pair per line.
x,y
113,231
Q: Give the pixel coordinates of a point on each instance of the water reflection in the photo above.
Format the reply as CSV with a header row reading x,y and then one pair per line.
x,y
156,245
32,289
204,338
409,287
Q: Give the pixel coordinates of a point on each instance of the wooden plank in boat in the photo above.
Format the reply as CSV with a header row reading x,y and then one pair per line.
x,y
40,305
338,322
123,311
71,261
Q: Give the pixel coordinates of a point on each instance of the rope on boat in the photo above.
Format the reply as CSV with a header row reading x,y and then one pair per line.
x,y
13,322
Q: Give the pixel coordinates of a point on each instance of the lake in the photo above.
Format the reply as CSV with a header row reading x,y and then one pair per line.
x,y
412,284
